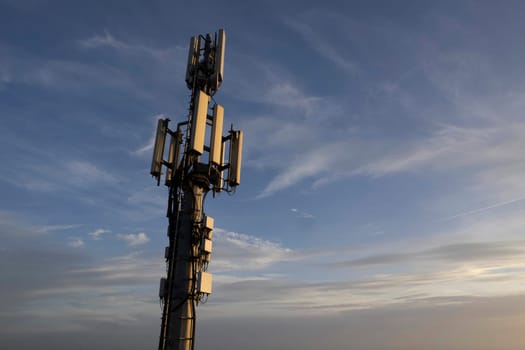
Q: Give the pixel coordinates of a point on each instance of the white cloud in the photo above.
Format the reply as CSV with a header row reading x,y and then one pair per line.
x,y
489,155
84,172
278,89
97,234
240,252
133,239
312,163
302,214
486,270
64,75
75,242
284,93
51,228
482,257
481,210
109,41
476,133
56,175
90,79
105,40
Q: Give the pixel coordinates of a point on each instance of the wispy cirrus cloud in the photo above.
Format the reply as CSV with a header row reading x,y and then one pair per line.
x,y
463,133
494,275
79,282
481,210
51,228
54,175
148,147
308,165
372,292
134,239
107,40
242,252
493,252
98,233
486,153
84,172
330,51
75,242
270,276
302,214
483,257
64,76
103,40
14,224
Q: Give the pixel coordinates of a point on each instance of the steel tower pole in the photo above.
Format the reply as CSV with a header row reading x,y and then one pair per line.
x,y
177,331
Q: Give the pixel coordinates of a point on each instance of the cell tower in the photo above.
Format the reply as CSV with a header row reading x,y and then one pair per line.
x,y
193,168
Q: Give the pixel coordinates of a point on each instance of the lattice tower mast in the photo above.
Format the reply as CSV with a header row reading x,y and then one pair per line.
x,y
190,175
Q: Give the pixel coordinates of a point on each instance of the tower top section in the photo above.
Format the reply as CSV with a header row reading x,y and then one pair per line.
x,y
205,68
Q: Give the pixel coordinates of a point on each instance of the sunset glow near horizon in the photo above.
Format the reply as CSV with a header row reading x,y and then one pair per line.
x,y
382,200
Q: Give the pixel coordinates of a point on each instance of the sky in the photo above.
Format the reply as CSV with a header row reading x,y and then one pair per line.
x,y
382,198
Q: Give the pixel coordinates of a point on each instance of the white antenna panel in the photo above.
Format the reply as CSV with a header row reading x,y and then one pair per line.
x,y
198,123
208,222
204,282
219,55
207,246
158,150
216,135
193,56
234,173
218,184
173,156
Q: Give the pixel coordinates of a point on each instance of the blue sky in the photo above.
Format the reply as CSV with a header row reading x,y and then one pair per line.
x,y
382,202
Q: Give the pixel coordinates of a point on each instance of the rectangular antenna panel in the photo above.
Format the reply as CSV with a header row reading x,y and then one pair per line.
x,y
206,246
217,185
158,150
193,57
173,155
204,282
198,123
208,222
216,135
234,172
162,288
219,55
